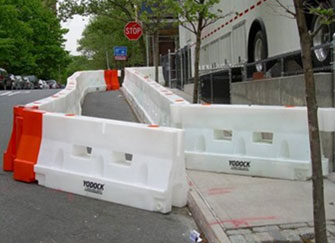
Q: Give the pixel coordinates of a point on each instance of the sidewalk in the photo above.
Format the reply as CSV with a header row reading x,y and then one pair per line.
x,y
248,209
231,208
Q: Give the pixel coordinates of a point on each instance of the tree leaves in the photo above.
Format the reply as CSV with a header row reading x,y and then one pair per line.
x,y
31,39
99,38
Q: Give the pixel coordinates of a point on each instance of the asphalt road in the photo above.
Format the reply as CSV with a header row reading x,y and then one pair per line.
x,y
32,213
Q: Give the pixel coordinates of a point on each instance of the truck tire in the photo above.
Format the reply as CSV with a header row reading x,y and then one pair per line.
x,y
260,49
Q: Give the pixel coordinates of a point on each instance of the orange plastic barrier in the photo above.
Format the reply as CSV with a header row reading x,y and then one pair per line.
x,y
10,153
29,146
24,145
112,80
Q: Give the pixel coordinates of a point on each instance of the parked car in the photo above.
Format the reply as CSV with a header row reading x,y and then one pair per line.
x,y
27,84
42,84
10,80
18,82
53,84
3,76
34,80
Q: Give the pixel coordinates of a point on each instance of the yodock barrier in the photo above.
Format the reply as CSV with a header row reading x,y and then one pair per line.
x,y
150,100
68,100
269,141
127,163
133,164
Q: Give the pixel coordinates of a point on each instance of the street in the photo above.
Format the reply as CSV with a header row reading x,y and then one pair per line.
x,y
31,213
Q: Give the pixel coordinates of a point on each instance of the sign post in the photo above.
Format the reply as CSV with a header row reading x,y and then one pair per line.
x,y
133,30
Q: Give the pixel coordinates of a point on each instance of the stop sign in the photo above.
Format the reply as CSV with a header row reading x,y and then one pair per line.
x,y
133,30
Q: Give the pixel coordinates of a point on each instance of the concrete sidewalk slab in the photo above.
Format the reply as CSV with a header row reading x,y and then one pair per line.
x,y
248,207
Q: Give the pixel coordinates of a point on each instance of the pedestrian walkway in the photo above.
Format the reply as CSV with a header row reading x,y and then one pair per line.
x,y
109,105
249,209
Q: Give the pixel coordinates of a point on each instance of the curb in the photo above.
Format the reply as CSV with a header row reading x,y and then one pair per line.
x,y
203,215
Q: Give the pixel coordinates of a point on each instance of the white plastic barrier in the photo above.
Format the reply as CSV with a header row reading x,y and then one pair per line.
x,y
126,163
150,100
269,141
150,72
69,100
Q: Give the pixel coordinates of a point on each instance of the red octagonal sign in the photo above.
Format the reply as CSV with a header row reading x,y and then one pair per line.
x,y
133,30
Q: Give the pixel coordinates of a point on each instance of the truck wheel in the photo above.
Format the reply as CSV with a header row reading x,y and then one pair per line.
x,y
321,56
260,51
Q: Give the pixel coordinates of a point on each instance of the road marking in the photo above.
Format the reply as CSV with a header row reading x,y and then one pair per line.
x,y
14,93
6,93
11,93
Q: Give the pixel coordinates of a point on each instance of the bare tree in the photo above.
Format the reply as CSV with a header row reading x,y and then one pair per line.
x,y
195,16
312,113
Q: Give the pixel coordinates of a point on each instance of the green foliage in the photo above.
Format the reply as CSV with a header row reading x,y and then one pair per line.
x,y
191,11
195,15
31,39
112,16
50,4
77,63
327,14
121,10
100,37
155,14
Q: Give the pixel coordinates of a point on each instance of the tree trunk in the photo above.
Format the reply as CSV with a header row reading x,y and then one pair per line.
x,y
196,61
156,54
314,138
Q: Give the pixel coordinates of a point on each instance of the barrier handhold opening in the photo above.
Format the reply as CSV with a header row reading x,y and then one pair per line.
x,y
82,151
263,137
122,158
223,134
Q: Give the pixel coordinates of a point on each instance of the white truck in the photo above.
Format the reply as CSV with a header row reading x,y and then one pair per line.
x,y
253,30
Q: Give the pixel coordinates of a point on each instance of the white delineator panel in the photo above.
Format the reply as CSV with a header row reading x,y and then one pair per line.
x,y
269,141
126,163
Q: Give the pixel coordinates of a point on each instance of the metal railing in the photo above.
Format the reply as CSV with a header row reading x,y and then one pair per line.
x,y
215,81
